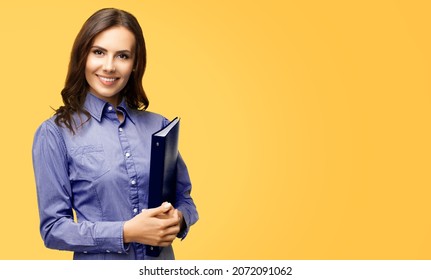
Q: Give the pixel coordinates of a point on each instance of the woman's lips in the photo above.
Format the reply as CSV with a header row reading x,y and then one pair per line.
x,y
107,80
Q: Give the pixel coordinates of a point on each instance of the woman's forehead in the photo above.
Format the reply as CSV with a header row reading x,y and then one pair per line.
x,y
117,38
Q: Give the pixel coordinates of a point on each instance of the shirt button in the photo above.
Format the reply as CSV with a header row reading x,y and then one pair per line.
x,y
120,129
135,210
110,108
119,252
107,251
85,252
127,155
133,182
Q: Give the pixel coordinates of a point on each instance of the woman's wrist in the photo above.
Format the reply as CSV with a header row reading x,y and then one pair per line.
x,y
126,232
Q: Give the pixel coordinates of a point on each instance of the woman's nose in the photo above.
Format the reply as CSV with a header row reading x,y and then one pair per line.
x,y
109,66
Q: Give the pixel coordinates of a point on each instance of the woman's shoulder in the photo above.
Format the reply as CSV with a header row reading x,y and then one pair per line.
x,y
48,134
149,121
48,126
49,130
148,116
145,114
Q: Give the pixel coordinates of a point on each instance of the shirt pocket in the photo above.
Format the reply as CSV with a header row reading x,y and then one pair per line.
x,y
88,162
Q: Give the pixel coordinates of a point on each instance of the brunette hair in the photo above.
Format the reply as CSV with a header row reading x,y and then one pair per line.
x,y
76,86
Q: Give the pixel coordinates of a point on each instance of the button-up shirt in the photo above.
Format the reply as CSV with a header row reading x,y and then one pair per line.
x,y
90,182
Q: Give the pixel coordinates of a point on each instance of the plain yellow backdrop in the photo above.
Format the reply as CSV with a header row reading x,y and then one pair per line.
x,y
305,124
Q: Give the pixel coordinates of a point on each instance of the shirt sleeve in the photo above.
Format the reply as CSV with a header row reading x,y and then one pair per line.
x,y
55,201
184,201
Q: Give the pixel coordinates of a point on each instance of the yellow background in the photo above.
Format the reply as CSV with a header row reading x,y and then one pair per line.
x,y
305,124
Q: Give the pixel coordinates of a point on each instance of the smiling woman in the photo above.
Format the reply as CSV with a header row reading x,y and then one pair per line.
x,y
110,63
93,156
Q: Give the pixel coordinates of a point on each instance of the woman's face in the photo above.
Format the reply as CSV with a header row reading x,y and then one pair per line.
x,y
110,63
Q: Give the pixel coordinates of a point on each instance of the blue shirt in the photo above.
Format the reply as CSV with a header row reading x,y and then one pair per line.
x,y
100,174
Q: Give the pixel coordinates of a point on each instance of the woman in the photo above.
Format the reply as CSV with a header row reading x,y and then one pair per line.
x,y
91,159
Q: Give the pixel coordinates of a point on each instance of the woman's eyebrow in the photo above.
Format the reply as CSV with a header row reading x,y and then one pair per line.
x,y
105,50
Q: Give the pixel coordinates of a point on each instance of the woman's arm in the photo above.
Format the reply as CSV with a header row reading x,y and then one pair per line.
x,y
55,200
184,202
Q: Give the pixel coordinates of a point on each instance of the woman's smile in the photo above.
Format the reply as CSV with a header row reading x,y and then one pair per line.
x,y
107,81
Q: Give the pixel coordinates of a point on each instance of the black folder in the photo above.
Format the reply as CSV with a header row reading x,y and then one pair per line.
x,y
163,170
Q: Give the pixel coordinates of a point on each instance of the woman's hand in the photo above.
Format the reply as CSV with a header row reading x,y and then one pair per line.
x,y
157,226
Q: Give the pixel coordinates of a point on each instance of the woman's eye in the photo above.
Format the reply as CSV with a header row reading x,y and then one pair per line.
x,y
97,52
123,56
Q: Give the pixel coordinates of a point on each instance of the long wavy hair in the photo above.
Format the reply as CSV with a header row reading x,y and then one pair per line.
x,y
76,86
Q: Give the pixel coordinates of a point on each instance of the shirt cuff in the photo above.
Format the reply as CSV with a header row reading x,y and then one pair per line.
x,y
109,237
183,233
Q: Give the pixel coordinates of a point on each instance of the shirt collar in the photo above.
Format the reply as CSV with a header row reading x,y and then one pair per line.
x,y
96,106
126,110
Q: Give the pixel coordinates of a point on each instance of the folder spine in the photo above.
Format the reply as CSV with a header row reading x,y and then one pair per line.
x,y
156,171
